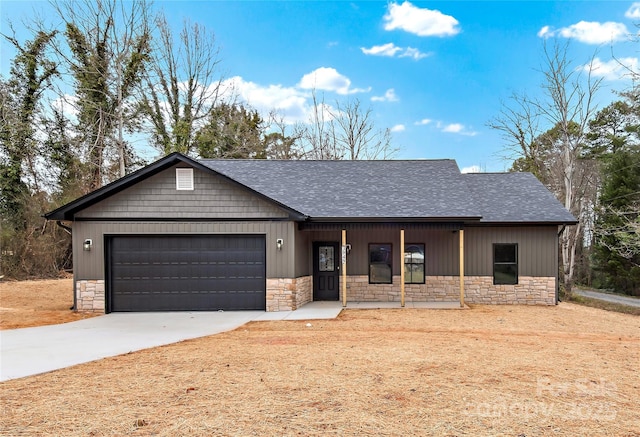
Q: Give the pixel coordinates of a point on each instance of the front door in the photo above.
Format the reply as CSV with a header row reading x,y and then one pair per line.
x,y
326,262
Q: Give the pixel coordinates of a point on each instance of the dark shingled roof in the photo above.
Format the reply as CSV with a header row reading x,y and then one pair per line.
x,y
419,189
515,198
425,190
357,189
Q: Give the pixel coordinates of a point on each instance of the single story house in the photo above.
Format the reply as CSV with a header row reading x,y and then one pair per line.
x,y
183,234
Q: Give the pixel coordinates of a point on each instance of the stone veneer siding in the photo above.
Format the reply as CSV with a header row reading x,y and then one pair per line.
x,y
90,296
478,289
288,294
282,294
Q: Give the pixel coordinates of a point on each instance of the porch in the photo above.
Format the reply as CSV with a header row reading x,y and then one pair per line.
x,y
380,265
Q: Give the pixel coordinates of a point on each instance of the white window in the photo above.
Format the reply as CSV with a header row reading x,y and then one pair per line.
x,y
184,179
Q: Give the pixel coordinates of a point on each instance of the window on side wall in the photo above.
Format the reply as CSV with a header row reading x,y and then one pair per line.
x,y
414,263
505,264
380,263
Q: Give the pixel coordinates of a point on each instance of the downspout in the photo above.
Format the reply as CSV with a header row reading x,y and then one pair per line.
x,y
557,264
69,230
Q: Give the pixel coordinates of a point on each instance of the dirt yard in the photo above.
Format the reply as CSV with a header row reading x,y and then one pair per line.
x,y
36,303
500,370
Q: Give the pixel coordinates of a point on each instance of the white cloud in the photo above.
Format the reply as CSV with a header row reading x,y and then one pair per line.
x,y
391,50
416,54
291,103
633,11
471,169
389,96
588,32
456,128
328,79
614,69
545,32
398,128
419,21
423,122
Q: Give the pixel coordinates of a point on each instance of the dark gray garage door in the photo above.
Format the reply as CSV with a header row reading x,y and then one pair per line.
x,y
186,273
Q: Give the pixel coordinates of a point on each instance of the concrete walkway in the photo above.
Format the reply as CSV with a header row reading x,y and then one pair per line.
x,y
393,305
615,298
30,351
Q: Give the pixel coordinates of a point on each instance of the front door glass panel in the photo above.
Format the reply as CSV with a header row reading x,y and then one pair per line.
x,y
326,259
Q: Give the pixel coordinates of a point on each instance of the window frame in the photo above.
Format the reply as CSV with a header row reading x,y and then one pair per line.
x,y
423,263
502,263
389,263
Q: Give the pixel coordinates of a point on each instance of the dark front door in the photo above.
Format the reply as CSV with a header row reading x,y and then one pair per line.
x,y
326,262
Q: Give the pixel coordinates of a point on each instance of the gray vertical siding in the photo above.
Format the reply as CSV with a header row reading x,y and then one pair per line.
x,y
90,265
441,248
157,198
537,249
537,246
302,254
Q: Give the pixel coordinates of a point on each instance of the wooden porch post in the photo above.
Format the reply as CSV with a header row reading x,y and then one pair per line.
x,y
461,233
344,267
401,268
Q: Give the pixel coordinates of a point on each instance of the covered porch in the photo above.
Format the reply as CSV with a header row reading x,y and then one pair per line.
x,y
390,265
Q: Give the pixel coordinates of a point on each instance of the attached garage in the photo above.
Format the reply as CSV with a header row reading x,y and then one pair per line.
x,y
185,272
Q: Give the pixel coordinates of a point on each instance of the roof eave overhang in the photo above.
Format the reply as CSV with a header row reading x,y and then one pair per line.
x,y
68,211
360,223
526,223
393,219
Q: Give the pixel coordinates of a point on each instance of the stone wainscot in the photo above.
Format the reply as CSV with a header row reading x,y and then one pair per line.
x,y
478,289
90,296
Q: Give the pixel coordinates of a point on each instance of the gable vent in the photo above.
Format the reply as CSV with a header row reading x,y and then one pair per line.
x,y
184,179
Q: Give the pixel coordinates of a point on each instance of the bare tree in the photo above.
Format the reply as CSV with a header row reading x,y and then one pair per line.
x,y
182,85
355,133
519,125
315,137
279,143
346,131
565,112
109,43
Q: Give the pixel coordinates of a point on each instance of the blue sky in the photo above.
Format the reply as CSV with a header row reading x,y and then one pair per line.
x,y
434,72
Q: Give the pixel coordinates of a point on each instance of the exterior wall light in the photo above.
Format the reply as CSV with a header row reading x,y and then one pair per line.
x,y
87,244
279,243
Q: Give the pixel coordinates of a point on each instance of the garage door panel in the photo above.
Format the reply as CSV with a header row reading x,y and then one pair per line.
x,y
179,273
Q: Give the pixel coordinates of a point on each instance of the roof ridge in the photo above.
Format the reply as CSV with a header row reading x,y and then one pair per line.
x,y
324,160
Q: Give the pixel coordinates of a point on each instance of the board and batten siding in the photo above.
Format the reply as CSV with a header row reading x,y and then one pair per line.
x,y
157,197
537,249
90,265
302,250
441,247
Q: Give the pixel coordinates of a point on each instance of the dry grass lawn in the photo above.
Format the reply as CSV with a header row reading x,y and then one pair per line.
x,y
500,370
35,303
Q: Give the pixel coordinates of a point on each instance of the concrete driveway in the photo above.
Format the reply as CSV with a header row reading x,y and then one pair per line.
x,y
30,351
615,298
